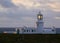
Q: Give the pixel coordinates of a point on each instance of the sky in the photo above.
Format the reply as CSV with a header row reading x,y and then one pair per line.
x,y
19,13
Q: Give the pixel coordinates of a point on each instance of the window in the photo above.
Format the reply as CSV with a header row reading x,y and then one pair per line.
x,y
53,30
40,17
28,30
33,31
24,30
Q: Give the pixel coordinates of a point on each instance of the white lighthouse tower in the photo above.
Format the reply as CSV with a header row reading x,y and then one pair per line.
x,y
40,23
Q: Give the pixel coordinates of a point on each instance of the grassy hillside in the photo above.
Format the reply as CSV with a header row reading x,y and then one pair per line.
x,y
39,38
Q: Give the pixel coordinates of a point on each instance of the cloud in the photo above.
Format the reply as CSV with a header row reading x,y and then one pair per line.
x,y
49,5
26,3
6,21
26,12
58,18
54,6
6,3
16,17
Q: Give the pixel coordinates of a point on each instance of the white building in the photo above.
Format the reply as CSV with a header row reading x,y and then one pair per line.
x,y
31,30
40,28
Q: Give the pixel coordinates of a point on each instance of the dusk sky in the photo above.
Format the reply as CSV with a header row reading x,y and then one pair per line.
x,y
19,13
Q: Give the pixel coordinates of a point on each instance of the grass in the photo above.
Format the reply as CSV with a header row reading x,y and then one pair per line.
x,y
29,38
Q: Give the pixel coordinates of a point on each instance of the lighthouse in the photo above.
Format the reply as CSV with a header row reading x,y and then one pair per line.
x,y
39,22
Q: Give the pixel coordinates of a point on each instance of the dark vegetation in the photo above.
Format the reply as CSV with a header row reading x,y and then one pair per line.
x,y
29,38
